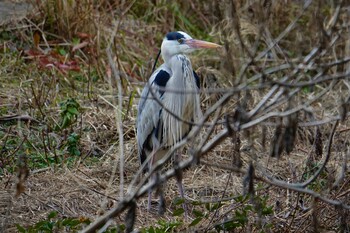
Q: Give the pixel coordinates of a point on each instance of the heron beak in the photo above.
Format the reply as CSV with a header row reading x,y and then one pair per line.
x,y
197,44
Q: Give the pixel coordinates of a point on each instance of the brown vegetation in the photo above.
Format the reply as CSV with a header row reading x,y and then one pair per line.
x,y
271,153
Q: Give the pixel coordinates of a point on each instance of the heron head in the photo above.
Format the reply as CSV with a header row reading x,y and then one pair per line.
x,y
180,42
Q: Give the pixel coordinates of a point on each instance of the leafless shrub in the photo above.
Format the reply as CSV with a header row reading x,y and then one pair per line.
x,y
273,90
275,101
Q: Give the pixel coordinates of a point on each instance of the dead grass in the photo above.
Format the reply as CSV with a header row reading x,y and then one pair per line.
x,y
89,185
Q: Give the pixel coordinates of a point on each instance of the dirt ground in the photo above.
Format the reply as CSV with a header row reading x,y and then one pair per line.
x,y
13,10
94,182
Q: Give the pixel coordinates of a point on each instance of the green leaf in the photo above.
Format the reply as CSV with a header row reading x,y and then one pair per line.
x,y
241,217
230,225
306,90
75,41
73,137
195,221
151,230
178,201
64,123
178,212
52,215
248,207
196,203
62,52
74,151
241,198
44,226
267,210
198,213
71,222
73,110
227,226
212,207
121,227
21,229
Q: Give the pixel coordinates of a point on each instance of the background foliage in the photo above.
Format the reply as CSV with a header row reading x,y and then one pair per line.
x,y
271,155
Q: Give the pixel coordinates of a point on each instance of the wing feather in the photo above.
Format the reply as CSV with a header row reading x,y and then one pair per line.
x,y
149,112
198,81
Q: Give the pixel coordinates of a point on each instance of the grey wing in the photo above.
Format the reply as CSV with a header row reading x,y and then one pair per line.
x,y
149,110
198,81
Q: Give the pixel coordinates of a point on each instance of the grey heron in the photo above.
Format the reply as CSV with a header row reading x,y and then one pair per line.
x,y
169,101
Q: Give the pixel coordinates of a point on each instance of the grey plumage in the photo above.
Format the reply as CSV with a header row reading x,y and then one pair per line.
x,y
173,89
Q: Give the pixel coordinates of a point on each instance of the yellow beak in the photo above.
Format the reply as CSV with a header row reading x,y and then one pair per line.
x,y
196,44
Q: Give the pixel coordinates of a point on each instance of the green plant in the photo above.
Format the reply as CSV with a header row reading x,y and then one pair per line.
x,y
320,183
54,224
73,144
163,226
245,207
69,113
248,206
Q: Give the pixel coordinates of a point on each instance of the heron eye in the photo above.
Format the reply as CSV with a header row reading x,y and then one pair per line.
x,y
181,40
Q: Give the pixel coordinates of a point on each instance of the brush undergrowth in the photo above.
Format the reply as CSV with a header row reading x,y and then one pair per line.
x,y
54,68
238,218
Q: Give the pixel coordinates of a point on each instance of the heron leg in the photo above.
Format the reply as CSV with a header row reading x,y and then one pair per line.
x,y
179,181
149,200
182,194
150,165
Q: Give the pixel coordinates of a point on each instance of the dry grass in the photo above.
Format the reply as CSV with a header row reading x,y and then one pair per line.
x,y
87,186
